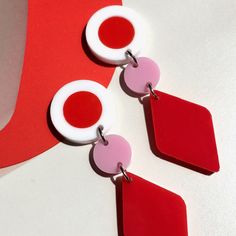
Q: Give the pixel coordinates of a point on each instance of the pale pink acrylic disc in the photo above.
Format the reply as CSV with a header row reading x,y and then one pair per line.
x,y
107,157
137,78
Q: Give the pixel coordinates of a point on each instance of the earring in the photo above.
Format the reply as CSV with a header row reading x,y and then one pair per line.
x,y
183,131
82,111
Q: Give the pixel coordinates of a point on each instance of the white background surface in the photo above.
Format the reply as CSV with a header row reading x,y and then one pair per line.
x,y
58,193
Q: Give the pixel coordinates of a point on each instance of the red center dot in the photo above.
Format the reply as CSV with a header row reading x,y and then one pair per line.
x,y
116,32
82,109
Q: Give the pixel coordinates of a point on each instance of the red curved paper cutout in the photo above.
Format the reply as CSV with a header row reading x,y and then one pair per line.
x,y
54,56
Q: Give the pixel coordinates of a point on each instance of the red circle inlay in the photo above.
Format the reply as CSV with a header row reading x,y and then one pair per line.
x,y
82,109
116,32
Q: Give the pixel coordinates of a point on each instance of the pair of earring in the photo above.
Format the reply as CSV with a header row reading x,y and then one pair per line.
x,y
183,131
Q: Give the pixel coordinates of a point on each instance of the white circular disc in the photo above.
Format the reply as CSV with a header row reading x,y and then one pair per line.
x,y
107,54
81,135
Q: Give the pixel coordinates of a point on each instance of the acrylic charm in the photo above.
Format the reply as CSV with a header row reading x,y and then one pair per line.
x,y
111,31
79,107
139,73
184,133
148,209
111,151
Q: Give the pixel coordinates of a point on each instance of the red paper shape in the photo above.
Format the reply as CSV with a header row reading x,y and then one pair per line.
x,y
54,55
149,210
184,132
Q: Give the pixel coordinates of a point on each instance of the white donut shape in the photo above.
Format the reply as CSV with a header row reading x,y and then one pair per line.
x,y
111,55
81,135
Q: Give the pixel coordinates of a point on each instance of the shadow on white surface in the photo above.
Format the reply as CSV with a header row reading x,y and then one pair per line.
x,y
13,20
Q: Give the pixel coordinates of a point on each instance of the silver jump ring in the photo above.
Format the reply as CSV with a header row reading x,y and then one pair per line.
x,y
100,128
124,172
152,92
133,58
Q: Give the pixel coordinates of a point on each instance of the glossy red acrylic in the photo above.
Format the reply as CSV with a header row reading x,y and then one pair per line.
x,y
184,132
149,210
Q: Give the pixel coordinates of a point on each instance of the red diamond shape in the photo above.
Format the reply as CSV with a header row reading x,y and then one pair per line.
x,y
149,210
184,133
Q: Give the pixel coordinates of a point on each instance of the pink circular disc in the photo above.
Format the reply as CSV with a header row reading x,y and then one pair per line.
x,y
107,157
137,78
